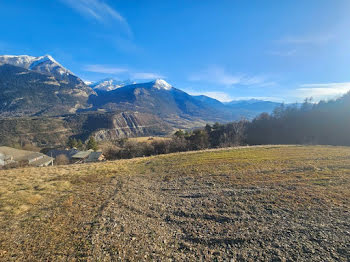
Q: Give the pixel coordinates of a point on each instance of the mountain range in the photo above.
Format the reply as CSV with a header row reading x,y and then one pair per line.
x,y
42,87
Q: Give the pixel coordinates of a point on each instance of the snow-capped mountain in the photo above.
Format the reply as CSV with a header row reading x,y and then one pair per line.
x,y
161,84
39,85
42,64
158,98
109,84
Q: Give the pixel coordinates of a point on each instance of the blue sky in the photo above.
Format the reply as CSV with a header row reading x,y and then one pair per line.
x,y
272,50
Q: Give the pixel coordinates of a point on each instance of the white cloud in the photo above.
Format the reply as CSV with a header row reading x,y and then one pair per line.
x,y
221,96
263,98
306,39
113,70
323,90
146,76
99,11
225,97
104,69
218,75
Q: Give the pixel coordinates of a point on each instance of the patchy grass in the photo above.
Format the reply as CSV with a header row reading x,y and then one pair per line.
x,y
260,203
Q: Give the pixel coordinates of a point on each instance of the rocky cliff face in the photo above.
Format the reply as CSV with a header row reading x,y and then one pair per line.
x,y
131,125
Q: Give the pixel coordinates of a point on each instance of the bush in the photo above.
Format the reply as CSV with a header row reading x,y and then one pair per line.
x,y
62,160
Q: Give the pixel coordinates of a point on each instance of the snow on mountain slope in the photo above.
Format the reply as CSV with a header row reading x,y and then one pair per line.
x,y
21,60
42,64
110,84
161,84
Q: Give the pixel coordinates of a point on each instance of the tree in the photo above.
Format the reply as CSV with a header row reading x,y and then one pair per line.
x,y
72,143
199,139
80,145
179,134
92,144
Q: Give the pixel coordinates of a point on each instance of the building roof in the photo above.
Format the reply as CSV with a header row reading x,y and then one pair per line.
x,y
18,154
82,154
94,156
45,161
68,153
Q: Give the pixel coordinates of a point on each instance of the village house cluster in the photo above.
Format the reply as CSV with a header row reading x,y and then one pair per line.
x,y
17,157
76,156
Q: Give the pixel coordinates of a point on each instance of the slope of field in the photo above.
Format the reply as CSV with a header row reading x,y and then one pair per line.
x,y
270,203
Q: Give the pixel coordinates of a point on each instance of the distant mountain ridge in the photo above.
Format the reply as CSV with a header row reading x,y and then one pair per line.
x,y
251,108
159,98
40,86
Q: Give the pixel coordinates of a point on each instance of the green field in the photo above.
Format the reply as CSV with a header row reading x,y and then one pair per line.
x,y
269,203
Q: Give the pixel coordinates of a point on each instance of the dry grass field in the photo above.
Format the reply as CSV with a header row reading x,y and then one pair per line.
x,y
148,139
269,203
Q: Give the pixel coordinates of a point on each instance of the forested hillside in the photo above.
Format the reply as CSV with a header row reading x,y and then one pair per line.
x,y
326,123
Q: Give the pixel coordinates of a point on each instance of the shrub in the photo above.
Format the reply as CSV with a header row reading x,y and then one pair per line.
x,y
62,160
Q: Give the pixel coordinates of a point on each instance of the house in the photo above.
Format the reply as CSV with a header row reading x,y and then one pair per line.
x,y
69,153
88,156
12,155
80,156
5,160
95,157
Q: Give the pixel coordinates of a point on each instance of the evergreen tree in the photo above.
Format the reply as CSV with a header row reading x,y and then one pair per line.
x,y
80,145
92,144
72,143
179,134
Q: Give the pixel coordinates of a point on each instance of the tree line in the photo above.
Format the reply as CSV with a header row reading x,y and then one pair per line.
x,y
78,144
212,136
323,123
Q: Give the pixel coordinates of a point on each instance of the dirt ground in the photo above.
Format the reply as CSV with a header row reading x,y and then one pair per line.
x,y
273,203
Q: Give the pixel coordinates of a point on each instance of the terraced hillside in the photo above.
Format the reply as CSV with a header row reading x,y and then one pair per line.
x,y
269,203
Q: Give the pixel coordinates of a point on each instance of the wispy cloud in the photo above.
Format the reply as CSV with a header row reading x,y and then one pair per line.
x,y
225,97
263,98
323,90
306,39
99,11
219,75
221,96
145,76
105,69
113,70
